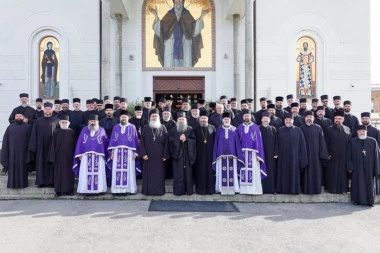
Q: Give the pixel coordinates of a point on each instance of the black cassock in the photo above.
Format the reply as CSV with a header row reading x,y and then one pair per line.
x,y
29,113
363,161
14,154
183,158
168,163
139,124
216,120
276,122
154,144
61,156
375,133
337,139
193,122
269,136
39,145
76,121
204,174
316,152
292,158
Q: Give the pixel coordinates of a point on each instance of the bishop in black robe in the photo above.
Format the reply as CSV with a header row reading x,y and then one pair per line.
x,y
14,153
269,136
316,152
40,143
204,174
61,156
154,150
292,158
337,138
182,150
363,161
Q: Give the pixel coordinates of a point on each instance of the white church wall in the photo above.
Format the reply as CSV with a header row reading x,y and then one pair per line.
x,y
24,23
343,56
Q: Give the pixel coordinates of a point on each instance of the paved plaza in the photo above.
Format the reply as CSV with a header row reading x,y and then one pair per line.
x,y
127,226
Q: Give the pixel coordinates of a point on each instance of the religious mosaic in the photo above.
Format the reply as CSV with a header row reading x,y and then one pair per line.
x,y
306,67
178,34
49,71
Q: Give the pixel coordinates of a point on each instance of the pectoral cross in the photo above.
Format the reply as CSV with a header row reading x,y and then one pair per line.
x,y
205,141
364,152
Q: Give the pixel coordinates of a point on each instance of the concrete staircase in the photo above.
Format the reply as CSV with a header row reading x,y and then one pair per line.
x,y
32,192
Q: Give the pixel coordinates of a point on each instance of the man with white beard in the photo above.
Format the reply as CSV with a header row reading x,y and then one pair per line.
x,y
167,118
227,158
29,113
178,39
253,152
317,152
292,157
61,155
90,158
123,149
154,150
193,119
363,162
182,150
138,121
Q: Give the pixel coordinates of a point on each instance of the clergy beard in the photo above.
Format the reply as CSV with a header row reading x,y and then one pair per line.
x,y
166,119
64,126
265,124
226,125
309,122
47,115
338,124
288,124
203,124
138,117
362,136
154,124
123,122
24,104
93,128
181,127
178,10
19,121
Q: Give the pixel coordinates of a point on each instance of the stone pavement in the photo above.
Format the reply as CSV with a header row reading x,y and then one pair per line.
x,y
126,226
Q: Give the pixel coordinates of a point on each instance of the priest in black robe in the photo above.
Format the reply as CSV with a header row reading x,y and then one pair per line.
x,y
39,110
337,138
292,157
61,156
274,120
204,174
259,113
280,112
329,112
154,150
269,136
147,107
29,113
14,152
363,161
65,109
138,120
40,143
316,152
350,120
90,111
193,118
182,145
298,120
110,120
76,117
216,119
169,123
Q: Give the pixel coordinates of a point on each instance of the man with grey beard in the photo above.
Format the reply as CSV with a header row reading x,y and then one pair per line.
x,y
39,144
61,156
311,177
167,118
154,150
29,113
182,150
178,39
204,175
193,119
269,136
363,161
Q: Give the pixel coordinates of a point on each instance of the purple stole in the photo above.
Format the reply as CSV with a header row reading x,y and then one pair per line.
x,y
92,171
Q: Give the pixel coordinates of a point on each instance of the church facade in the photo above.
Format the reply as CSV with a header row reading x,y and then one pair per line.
x,y
134,48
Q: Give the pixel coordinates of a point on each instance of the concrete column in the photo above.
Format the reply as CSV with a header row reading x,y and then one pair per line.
x,y
106,46
236,24
249,63
119,55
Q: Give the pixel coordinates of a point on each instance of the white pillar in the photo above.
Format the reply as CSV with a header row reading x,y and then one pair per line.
x,y
106,46
249,52
236,24
119,55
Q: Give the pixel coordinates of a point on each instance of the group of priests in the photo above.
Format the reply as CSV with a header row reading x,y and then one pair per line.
x,y
219,147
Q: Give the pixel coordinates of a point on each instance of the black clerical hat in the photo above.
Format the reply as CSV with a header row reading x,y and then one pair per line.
x,y
226,115
279,99
89,101
108,106
233,99
263,99
185,100
223,97
323,97
153,111
336,97
147,99
361,127
308,113
320,108
265,114
106,98
203,113
57,102
194,106
48,104
201,101
244,101
93,117
347,102
249,100
162,100
288,116
24,95
38,100
76,100
339,113
270,106
19,111
289,96
124,112
116,98
303,100
65,117
315,100
138,108
245,111
181,114
122,100
169,97
65,101
365,114
212,105
294,105
269,101
100,102
167,109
